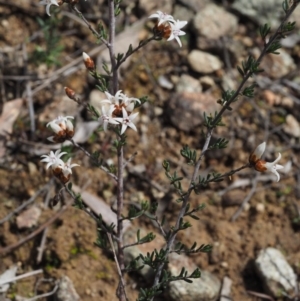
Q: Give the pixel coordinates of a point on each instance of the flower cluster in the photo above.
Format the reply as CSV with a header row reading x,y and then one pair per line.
x,y
62,127
262,166
60,169
166,27
117,109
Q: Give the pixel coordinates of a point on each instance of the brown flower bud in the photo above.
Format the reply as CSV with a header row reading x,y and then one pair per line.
x,y
64,179
70,93
89,63
163,30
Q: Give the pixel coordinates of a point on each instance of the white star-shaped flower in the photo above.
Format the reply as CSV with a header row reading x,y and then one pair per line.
x,y
162,17
106,116
67,167
112,99
53,159
263,166
176,31
48,3
126,120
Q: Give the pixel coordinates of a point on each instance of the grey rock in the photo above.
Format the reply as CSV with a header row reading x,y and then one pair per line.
x,y
214,22
295,17
203,62
205,288
233,198
188,83
28,218
94,99
183,13
291,126
195,5
291,40
131,253
185,110
287,102
277,66
165,83
149,7
267,11
275,272
66,290
207,82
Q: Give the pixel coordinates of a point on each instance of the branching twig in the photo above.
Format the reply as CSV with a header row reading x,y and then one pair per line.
x,y
29,201
250,73
91,157
43,240
127,55
91,214
16,278
41,248
44,295
93,30
111,47
246,200
130,159
29,93
117,263
210,128
10,248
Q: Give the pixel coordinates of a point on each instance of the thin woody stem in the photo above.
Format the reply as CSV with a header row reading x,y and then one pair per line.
x,y
92,29
118,266
120,185
111,46
127,55
120,204
250,73
91,157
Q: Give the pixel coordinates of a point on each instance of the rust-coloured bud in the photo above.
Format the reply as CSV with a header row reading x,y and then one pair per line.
x,y
89,63
69,134
57,171
260,165
163,30
256,155
64,179
70,93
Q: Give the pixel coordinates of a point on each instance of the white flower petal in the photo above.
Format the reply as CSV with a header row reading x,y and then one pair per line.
x,y
124,127
273,167
257,154
132,125
162,17
277,166
260,149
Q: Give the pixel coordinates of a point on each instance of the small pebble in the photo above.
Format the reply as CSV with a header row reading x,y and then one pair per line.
x,y
260,207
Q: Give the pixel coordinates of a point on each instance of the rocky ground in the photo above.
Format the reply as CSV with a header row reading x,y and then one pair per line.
x,y
40,55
